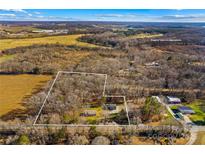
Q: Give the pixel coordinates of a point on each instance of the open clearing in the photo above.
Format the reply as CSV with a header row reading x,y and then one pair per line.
x,y
14,88
64,40
144,35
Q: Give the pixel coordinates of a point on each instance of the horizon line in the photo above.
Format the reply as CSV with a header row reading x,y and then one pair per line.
x,y
101,21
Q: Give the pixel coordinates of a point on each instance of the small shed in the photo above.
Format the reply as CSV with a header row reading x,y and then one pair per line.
x,y
88,113
173,100
111,106
186,110
152,64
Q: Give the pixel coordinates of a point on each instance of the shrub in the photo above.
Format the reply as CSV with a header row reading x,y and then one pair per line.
x,y
23,140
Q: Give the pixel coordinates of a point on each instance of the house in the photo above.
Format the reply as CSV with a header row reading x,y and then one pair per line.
x,y
61,31
152,64
88,113
186,110
43,31
111,106
173,100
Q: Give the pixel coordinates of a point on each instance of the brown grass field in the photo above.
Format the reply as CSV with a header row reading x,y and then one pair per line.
x,y
14,88
5,58
17,29
144,35
200,138
64,40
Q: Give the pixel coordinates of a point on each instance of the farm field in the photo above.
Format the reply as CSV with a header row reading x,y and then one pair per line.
x,y
144,35
17,29
64,40
14,88
6,57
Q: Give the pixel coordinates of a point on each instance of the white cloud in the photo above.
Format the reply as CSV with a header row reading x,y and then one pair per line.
x,y
7,15
40,16
15,10
117,15
188,17
19,10
178,16
37,12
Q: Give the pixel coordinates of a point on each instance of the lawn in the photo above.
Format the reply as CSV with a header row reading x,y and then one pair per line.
x,y
174,107
199,107
94,119
14,88
64,40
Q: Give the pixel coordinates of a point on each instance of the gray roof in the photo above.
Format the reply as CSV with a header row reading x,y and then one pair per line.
x,y
184,108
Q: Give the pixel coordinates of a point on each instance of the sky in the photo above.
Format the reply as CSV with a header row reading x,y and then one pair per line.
x,y
123,15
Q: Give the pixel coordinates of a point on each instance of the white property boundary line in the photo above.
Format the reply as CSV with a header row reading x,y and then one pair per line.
x,y
103,94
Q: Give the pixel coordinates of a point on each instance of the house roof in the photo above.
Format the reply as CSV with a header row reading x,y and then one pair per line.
x,y
173,99
111,105
184,108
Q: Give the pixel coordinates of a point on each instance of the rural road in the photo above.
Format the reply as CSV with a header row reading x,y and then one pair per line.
x,y
186,123
193,133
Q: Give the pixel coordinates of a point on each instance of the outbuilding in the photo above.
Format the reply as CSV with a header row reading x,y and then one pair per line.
x,y
88,113
173,100
186,110
111,106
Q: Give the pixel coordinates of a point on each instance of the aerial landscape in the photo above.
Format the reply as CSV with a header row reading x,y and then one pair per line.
x,y
82,77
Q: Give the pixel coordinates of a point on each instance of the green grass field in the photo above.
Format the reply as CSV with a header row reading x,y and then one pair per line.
x,y
64,40
199,107
94,119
